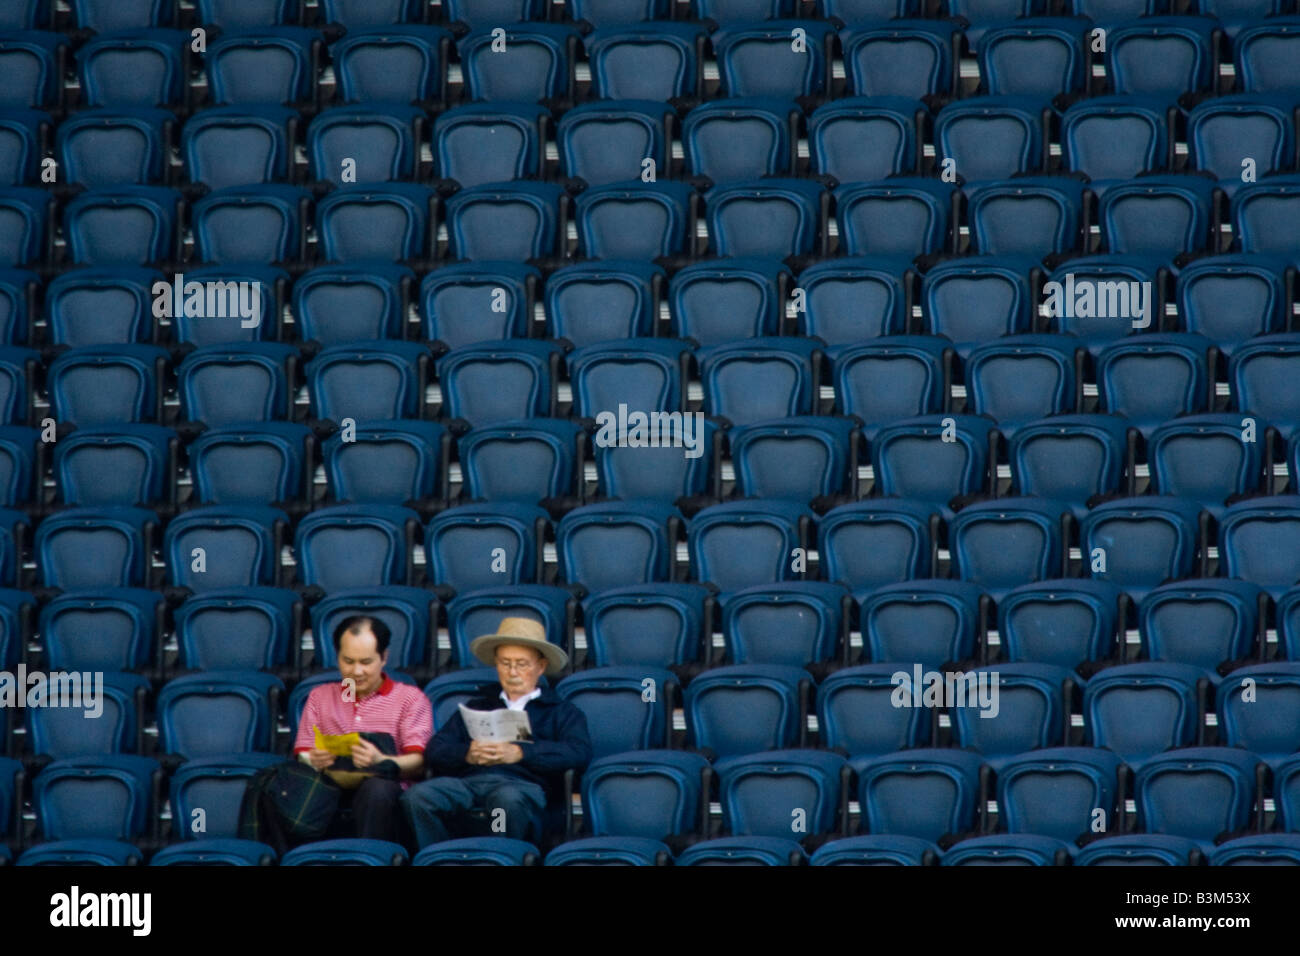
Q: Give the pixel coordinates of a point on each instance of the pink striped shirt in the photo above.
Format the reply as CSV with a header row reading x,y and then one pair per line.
x,y
396,709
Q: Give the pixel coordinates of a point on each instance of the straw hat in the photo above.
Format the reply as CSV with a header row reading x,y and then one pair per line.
x,y
519,632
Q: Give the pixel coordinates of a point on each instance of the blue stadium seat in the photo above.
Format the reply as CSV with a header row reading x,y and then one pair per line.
x,y
1265,59
1102,298
475,613
618,12
635,220
133,68
1159,216
1261,212
243,14
353,546
1140,543
1152,378
408,612
608,142
1057,792
93,548
391,64
536,62
1223,132
912,58
17,465
1270,730
603,302
616,543
1019,378
18,290
30,65
361,144
1287,618
480,12
461,545
782,793
743,851
883,850
1026,216
67,727
976,299
1199,792
1070,458
1028,712
610,851
643,374
490,142
477,302
104,17
508,221
1286,796
1063,622
230,384
867,544
109,629
1006,542
251,224
644,793
103,385
741,138
108,306
500,381
1024,849
265,66
225,546
893,377
651,625
82,852
104,797
649,61
1162,56
25,215
619,715
125,225
217,713
1109,11
215,852
525,460
1039,57
240,314
747,708
794,623
17,609
1203,458
243,465
1260,375
1266,849
928,621
1257,542
796,459
740,544
215,786
22,132
686,466
101,147
478,851
368,381
370,13
991,137
760,59
116,465
760,379
1115,137
1139,710
913,459
919,793
767,217
252,628
861,138
719,301
894,217
390,221
388,463
347,852
856,713
18,367
1232,298
1139,849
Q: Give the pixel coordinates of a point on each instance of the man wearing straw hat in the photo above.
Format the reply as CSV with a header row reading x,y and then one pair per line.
x,y
510,781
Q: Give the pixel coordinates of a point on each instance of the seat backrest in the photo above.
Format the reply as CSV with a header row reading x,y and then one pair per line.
x,y
744,708
224,546
647,793
106,797
238,629
355,546
652,625
217,712
238,146
613,699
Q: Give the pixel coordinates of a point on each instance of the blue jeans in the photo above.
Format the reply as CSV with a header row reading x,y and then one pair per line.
x,y
431,805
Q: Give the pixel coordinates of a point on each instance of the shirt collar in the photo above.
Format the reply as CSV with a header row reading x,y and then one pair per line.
x,y
385,686
522,702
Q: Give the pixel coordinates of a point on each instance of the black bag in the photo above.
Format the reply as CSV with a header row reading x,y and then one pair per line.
x,y
288,804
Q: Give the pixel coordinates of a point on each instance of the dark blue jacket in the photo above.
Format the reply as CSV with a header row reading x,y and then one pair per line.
x,y
560,740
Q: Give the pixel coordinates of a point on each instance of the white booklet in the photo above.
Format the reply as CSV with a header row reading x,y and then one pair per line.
x,y
502,725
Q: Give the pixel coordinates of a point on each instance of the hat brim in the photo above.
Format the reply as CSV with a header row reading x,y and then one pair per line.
x,y
484,648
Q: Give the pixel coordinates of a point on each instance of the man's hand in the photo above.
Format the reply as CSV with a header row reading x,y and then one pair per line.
x,y
365,754
491,754
320,759
479,753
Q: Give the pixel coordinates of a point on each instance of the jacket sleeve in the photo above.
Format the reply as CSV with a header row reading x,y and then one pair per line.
x,y
570,747
447,748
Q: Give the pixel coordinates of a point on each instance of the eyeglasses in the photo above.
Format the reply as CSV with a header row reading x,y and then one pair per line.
x,y
515,665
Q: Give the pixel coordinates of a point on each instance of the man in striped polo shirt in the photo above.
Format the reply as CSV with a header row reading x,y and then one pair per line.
x,y
367,700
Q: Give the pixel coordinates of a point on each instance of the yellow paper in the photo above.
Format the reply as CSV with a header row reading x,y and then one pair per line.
x,y
340,745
